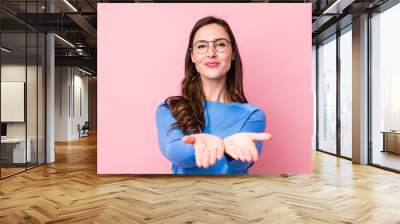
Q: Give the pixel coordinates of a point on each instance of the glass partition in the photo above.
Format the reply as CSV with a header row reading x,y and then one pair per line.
x,y
346,93
327,95
22,77
13,103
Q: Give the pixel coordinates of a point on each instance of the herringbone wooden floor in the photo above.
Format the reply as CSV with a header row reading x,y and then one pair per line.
x,y
70,191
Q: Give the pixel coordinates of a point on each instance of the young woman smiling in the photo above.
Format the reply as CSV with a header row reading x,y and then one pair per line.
x,y
211,128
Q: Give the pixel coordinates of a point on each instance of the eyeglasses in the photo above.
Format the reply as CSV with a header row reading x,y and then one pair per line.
x,y
202,46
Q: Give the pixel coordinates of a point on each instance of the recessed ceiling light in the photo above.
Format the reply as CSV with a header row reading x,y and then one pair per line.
x,y
337,7
84,71
64,40
5,50
70,5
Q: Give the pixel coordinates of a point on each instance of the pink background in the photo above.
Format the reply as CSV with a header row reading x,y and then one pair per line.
x,y
141,50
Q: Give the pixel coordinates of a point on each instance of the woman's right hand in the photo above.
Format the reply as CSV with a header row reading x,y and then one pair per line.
x,y
208,148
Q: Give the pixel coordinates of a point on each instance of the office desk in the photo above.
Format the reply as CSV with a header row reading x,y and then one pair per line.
x,y
391,141
13,150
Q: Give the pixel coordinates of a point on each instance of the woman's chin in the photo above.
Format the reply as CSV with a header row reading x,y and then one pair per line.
x,y
214,76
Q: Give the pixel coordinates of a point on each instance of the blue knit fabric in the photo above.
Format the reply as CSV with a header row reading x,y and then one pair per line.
x,y
222,119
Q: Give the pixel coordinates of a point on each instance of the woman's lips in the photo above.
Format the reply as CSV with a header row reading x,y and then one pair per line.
x,y
212,64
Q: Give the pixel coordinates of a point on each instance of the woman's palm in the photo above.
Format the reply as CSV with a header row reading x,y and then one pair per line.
x,y
208,148
242,145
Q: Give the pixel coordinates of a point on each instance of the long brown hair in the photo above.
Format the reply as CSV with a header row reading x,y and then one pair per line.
x,y
188,108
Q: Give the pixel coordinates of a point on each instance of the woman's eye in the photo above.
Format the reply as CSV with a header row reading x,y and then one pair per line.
x,y
201,46
221,45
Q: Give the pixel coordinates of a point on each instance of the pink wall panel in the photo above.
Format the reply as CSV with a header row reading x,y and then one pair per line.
x,y
141,49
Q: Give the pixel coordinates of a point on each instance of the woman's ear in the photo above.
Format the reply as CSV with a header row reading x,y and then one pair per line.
x,y
192,57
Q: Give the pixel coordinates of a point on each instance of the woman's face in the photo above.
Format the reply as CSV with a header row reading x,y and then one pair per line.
x,y
211,63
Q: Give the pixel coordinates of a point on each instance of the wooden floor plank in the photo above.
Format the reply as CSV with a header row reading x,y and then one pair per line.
x,y
70,191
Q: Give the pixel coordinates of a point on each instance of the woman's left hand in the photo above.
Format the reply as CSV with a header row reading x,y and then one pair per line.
x,y
242,145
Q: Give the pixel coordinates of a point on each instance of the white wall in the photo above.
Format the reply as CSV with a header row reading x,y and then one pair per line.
x,y
80,103
314,76
15,72
71,93
62,81
9,73
34,125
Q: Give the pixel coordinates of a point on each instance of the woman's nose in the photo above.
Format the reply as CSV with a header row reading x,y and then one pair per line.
x,y
211,51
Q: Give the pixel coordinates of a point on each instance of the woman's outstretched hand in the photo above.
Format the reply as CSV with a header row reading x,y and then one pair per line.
x,y
208,148
242,145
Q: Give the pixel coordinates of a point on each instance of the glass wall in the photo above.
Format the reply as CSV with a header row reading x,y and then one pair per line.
x,y
22,90
346,92
13,90
385,88
327,95
329,68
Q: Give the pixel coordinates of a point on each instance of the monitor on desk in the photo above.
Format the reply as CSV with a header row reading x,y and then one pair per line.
x,y
3,130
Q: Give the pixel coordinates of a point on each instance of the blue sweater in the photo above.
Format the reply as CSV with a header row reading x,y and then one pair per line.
x,y
223,120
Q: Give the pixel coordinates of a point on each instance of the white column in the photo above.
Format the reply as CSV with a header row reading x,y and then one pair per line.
x,y
50,93
360,90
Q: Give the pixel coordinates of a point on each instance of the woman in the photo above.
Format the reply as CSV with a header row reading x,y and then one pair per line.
x,y
210,128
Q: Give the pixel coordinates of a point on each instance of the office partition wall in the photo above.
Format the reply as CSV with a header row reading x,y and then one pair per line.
x,y
22,77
